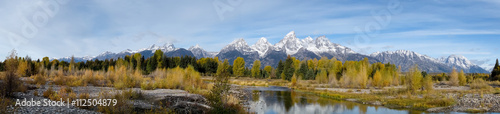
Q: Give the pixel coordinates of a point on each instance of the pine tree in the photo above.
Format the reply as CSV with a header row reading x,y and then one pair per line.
x,y
289,69
2,68
495,73
303,71
279,69
71,65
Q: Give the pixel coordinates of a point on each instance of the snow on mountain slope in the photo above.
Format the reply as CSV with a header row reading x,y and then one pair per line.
x,y
406,53
407,58
290,44
239,45
262,46
165,48
457,60
199,52
323,45
308,47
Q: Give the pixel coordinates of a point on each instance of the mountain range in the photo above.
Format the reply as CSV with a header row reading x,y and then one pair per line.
x,y
306,48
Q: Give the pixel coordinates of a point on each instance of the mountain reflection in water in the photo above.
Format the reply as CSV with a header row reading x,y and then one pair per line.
x,y
281,100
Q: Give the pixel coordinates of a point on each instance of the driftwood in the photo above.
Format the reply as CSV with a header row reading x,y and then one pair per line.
x,y
187,104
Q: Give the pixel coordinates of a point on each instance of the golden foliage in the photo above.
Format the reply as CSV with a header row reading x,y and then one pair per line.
x,y
454,78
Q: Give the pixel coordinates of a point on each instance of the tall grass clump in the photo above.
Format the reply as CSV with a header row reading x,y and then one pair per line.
x,y
479,84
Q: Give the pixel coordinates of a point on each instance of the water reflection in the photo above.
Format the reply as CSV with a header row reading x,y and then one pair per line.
x,y
277,100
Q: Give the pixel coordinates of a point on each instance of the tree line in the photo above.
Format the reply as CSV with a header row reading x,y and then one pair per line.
x,y
324,70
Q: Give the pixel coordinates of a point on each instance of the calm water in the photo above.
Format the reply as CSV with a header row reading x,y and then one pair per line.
x,y
279,100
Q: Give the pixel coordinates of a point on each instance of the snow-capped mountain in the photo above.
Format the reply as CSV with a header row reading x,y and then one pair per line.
x,y
76,59
290,44
238,45
406,59
307,48
461,63
168,48
262,46
457,60
238,48
321,46
199,52
165,48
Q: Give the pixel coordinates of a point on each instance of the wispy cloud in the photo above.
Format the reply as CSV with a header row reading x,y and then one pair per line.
x,y
436,27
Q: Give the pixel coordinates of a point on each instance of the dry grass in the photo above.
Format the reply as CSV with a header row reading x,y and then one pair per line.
x,y
2,75
232,100
39,79
48,93
495,83
176,78
4,104
479,84
147,84
84,96
122,106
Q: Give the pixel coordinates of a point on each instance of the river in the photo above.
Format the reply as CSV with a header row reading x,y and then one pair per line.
x,y
281,100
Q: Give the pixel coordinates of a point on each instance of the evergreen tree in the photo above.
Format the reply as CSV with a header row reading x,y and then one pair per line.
x,y
310,74
279,69
71,65
495,73
2,68
288,69
303,71
151,65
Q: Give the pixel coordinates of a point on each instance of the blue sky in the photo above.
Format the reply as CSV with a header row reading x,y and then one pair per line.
x,y
437,28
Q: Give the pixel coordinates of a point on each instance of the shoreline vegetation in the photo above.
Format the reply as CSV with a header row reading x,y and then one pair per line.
x,y
443,98
190,85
